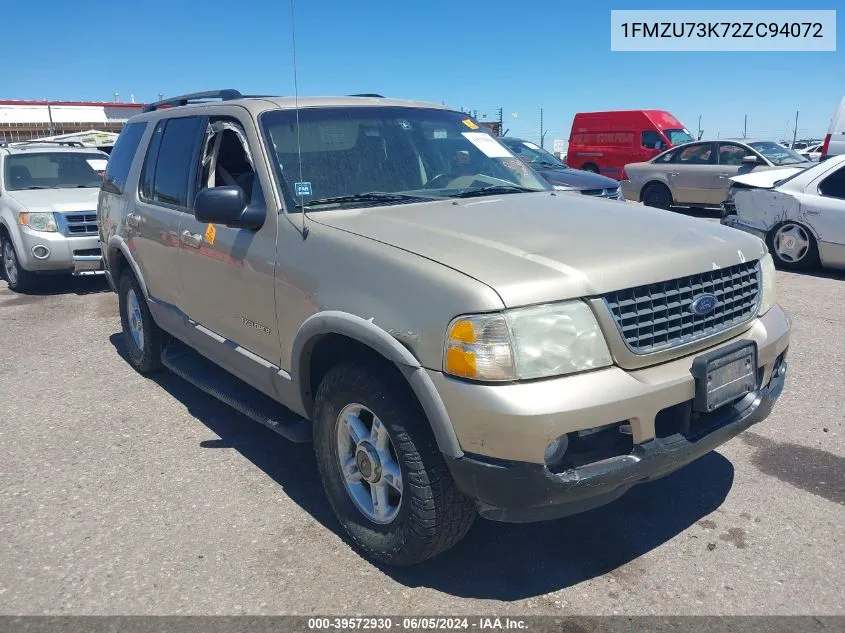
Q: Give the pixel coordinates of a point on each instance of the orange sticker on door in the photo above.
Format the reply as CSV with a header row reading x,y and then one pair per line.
x,y
210,234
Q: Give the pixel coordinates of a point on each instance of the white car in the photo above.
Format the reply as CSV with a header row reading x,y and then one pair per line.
x,y
813,152
834,141
801,215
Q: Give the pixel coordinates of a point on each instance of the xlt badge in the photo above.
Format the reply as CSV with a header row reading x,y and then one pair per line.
x,y
257,326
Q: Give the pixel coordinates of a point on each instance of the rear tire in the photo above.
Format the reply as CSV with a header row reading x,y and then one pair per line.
x,y
658,196
141,336
591,167
793,246
427,514
17,277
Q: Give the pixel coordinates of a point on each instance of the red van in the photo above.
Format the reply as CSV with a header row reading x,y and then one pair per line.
x,y
604,142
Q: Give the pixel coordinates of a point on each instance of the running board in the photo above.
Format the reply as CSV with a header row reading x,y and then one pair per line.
x,y
216,381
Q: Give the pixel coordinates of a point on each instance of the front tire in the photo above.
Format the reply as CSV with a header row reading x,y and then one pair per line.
x,y
793,246
141,336
381,469
17,277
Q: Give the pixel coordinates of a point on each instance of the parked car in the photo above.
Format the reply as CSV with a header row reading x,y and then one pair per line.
x,y
561,177
604,142
800,215
454,335
48,201
834,141
812,152
698,174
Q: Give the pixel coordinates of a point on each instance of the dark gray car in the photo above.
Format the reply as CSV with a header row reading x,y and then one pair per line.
x,y
558,174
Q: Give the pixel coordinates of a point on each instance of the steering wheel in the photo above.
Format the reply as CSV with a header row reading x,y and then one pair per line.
x,y
431,184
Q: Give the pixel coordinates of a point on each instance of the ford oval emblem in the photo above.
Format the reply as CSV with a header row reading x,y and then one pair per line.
x,y
703,304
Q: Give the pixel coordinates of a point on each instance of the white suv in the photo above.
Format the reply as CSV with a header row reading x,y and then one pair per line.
x,y
48,210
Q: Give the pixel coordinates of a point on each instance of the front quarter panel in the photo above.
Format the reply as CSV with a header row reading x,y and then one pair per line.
x,y
410,298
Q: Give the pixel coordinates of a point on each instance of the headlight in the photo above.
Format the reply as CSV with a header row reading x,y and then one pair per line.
x,y
39,221
534,342
767,278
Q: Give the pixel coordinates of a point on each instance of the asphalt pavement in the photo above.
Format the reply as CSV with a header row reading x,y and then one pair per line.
x,y
124,495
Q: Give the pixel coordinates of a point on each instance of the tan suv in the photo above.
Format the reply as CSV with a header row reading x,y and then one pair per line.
x,y
386,278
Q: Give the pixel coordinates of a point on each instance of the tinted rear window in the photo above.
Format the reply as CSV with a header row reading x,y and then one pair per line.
x,y
173,158
120,159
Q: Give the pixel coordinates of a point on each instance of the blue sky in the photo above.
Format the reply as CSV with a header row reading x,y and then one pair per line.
x,y
520,56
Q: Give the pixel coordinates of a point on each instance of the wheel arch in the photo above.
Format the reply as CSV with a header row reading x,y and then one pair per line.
x,y
655,182
332,336
118,258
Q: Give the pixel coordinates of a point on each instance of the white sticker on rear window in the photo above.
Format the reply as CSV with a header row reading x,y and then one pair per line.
x,y
531,145
487,144
441,134
97,164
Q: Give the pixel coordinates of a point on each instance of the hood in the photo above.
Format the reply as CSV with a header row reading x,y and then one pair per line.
x,y
766,179
57,199
539,247
576,178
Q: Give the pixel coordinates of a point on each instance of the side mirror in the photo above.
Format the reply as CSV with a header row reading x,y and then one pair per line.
x,y
750,160
227,205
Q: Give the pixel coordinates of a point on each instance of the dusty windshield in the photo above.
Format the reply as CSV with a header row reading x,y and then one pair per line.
x,y
367,156
534,154
54,170
778,154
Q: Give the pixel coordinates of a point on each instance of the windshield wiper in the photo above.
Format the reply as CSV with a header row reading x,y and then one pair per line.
x,y
493,190
371,196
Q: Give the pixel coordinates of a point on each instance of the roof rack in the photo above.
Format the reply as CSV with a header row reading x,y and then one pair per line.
x,y
223,95
368,94
37,142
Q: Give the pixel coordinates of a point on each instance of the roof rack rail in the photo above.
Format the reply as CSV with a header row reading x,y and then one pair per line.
x,y
40,142
368,94
223,95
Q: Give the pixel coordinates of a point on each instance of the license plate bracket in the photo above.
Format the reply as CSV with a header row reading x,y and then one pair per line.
x,y
724,375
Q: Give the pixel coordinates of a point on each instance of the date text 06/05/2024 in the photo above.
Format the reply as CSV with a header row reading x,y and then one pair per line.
x,y
416,623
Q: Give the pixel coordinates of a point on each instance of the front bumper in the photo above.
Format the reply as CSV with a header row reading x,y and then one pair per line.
x,y
521,492
729,218
54,252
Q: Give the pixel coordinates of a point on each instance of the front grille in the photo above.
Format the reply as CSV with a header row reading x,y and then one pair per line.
x,y
81,223
613,193
658,316
88,252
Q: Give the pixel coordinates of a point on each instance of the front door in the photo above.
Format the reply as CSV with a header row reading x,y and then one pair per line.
x,y
227,274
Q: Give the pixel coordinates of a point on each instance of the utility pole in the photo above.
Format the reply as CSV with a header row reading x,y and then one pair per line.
x,y
745,127
700,131
795,131
501,123
542,132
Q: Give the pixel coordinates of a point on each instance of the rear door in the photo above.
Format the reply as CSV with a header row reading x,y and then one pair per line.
x,y
690,176
162,202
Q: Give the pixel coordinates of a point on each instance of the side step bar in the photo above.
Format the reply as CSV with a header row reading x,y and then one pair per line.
x,y
216,381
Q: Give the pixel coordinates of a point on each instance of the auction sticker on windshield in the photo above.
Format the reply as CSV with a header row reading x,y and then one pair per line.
x,y
487,144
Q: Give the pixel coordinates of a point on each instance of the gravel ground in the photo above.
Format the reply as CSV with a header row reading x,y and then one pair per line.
x,y
122,495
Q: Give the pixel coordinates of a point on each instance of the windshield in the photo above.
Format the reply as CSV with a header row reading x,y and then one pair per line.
x,y
366,156
777,154
533,154
54,170
678,137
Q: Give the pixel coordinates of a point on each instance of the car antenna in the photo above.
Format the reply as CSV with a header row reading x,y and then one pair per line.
x,y
299,187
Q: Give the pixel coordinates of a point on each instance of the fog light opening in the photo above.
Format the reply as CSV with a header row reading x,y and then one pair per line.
x,y
556,451
40,252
